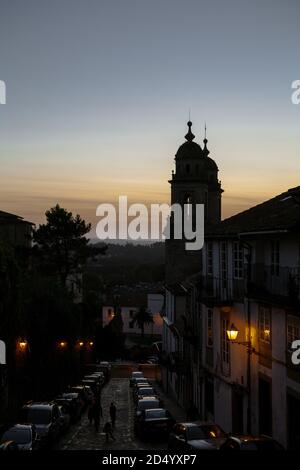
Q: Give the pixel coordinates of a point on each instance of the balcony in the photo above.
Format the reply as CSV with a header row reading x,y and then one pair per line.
x,y
215,291
282,285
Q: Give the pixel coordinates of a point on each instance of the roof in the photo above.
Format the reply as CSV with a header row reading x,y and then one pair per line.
x,y
6,217
281,213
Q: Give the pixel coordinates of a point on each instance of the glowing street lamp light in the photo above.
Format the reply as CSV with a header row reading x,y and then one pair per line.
x,y
62,344
232,333
23,344
91,343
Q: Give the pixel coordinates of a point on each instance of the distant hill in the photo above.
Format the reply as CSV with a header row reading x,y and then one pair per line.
x,y
130,264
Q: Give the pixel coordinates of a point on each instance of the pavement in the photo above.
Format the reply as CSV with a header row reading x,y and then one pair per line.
x,y
83,436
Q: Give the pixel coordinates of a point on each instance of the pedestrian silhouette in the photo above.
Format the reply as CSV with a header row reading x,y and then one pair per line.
x,y
108,430
97,412
113,412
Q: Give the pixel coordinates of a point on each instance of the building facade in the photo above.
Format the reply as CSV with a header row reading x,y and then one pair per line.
x,y
129,308
247,288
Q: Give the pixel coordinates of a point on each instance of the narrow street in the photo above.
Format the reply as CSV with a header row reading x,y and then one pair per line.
x,y
83,436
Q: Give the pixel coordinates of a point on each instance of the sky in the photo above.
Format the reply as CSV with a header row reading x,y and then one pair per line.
x,y
99,92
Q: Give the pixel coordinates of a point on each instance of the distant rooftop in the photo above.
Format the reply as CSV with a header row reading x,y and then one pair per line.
x,y
281,213
7,217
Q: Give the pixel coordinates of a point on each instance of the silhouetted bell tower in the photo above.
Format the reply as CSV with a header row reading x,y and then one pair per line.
x,y
195,181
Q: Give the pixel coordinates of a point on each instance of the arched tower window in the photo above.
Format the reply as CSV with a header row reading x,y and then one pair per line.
x,y
187,168
189,201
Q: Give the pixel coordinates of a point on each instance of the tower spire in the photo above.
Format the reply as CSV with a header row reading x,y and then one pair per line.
x,y
189,136
205,149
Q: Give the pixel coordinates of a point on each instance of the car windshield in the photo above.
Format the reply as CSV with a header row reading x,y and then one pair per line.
x,y
20,436
36,415
137,374
155,414
205,431
146,405
146,391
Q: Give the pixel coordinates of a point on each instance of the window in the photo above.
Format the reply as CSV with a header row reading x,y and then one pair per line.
x,y
225,341
209,259
238,260
264,325
187,168
275,258
293,331
205,204
131,312
210,332
109,311
223,264
131,324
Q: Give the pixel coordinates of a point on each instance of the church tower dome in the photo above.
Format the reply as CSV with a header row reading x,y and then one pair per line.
x,y
194,181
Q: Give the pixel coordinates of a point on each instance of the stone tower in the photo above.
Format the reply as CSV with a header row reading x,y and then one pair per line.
x,y
195,181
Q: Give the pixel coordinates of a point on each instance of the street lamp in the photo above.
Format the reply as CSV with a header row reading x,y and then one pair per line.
x,y
23,344
232,334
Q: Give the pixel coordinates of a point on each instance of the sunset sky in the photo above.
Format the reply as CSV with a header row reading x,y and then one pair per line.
x,y
99,91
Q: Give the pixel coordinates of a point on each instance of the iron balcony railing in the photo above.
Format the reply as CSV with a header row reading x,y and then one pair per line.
x,y
261,280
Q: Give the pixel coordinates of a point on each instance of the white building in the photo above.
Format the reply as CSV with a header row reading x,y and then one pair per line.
x,y
130,306
249,282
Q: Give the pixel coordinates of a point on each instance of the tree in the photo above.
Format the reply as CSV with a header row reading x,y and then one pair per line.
x,y
110,340
60,244
141,318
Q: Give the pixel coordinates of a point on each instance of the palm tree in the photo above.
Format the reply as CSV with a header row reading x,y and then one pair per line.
x,y
141,318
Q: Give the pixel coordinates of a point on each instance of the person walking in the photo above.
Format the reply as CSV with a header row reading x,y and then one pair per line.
x,y
97,413
113,412
91,413
108,430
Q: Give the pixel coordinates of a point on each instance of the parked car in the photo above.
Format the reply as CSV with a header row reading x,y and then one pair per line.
x,y
23,435
100,375
9,445
138,385
90,383
156,422
105,367
64,418
144,392
84,392
152,360
135,375
146,404
73,404
260,443
139,381
105,364
197,435
45,417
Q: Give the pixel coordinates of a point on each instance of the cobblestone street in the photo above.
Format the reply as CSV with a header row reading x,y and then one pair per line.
x,y
83,436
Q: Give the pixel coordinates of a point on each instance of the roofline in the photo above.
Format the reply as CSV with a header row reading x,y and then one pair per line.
x,y
259,232
241,234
